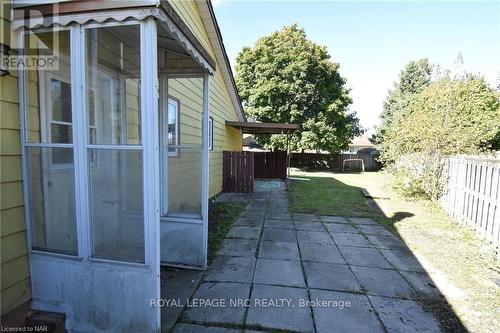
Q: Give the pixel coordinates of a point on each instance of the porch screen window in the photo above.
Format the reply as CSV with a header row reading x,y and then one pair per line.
x,y
49,145
184,165
114,142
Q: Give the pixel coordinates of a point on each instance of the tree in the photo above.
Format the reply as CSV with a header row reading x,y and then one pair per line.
x,y
450,116
414,77
286,78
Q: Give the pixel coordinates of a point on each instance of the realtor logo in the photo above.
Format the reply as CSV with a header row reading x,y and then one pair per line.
x,y
40,48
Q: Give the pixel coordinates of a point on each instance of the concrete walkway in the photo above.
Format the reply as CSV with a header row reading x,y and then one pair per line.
x,y
308,273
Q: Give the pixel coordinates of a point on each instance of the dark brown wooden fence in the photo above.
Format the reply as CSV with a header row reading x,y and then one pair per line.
x,y
238,171
270,164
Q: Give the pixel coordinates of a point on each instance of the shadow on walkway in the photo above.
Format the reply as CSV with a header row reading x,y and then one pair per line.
x,y
342,272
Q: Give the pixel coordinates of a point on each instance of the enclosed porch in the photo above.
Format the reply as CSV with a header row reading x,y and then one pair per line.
x,y
114,185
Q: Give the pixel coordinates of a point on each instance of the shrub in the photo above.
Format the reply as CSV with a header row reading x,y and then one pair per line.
x,y
451,116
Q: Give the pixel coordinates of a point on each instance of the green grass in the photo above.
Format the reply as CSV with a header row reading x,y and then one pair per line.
x,y
467,261
221,216
325,195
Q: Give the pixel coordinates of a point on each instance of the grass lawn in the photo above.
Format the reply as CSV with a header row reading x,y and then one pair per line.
x,y
221,216
466,261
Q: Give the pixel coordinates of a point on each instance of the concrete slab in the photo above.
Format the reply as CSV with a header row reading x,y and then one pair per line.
x,y
321,275
191,328
249,222
258,205
252,213
341,228
309,226
333,219
279,224
278,216
230,269
218,314
386,242
238,247
350,239
279,235
374,230
423,284
402,260
363,221
176,283
279,250
316,237
242,232
279,272
359,316
289,317
305,217
404,315
328,253
278,206
383,282
364,256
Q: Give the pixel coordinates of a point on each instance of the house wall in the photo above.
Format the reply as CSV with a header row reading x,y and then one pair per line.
x,y
15,276
221,107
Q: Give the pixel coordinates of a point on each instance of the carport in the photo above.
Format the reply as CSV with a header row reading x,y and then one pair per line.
x,y
241,168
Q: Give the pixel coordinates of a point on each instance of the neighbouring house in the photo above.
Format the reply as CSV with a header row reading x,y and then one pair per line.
x,y
360,145
249,143
109,158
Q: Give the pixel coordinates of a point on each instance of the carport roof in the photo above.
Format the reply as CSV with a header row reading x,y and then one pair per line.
x,y
263,128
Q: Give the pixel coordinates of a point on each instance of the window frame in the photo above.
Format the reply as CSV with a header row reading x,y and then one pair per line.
x,y
175,151
210,133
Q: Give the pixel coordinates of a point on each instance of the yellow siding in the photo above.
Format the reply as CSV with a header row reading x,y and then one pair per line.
x,y
15,282
221,107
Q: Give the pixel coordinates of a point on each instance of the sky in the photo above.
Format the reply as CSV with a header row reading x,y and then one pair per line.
x,y
373,40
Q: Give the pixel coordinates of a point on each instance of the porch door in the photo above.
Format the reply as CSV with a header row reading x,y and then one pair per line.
x,y
58,175
184,171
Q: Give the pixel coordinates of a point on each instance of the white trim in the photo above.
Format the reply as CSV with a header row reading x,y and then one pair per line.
x,y
78,98
163,155
93,19
205,167
22,79
194,219
49,145
115,147
151,153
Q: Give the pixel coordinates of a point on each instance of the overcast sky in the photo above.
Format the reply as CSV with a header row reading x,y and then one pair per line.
x,y
373,40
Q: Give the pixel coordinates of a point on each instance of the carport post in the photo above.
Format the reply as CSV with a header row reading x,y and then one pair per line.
x,y
288,154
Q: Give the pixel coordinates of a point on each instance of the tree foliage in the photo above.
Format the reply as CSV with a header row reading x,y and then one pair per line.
x,y
450,116
414,77
287,78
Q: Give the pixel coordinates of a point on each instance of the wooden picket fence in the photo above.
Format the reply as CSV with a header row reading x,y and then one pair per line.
x,y
472,194
238,171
